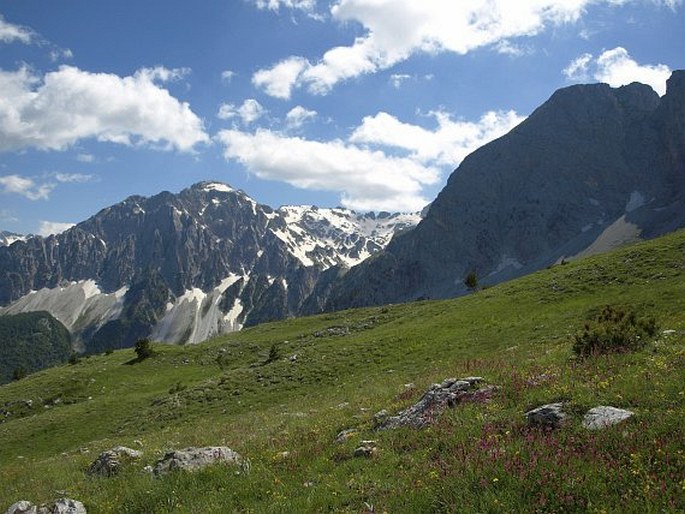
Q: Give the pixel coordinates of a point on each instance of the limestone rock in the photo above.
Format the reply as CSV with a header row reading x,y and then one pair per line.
x,y
367,449
344,435
22,507
61,506
550,415
604,416
109,463
194,459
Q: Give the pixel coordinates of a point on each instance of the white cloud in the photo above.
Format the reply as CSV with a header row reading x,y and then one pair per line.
x,y
26,187
617,68
73,178
298,116
366,179
275,5
227,76
55,111
7,216
395,30
47,228
85,157
447,145
59,54
396,79
384,165
578,68
279,80
10,32
250,111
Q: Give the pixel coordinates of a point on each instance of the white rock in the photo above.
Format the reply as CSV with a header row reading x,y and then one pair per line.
x,y
603,416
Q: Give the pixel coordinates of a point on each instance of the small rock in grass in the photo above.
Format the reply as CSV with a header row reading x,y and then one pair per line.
x,y
604,416
22,507
380,416
345,435
550,415
63,506
109,463
367,449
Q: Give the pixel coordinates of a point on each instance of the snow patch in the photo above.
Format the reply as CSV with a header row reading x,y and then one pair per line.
x,y
218,186
636,201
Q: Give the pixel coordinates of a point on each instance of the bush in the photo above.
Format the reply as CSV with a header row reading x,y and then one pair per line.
x,y
274,354
74,358
614,330
471,281
143,349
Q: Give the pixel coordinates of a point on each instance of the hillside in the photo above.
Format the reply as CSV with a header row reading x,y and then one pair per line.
x,y
279,393
30,342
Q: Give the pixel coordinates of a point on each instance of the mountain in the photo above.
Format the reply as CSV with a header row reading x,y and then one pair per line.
x,y
7,238
592,168
183,267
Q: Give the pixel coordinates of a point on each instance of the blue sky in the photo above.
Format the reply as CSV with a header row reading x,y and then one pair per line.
x,y
369,104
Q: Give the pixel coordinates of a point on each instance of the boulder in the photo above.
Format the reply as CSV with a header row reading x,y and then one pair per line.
x,y
436,399
109,462
194,459
604,416
550,415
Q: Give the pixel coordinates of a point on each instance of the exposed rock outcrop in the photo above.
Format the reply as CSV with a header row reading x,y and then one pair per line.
x,y
110,462
435,400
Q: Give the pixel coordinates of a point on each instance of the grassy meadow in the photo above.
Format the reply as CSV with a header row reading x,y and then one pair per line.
x,y
279,393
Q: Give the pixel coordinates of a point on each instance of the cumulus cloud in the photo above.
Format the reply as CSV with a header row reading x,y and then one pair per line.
x,y
249,112
448,144
26,187
617,68
396,30
10,33
280,80
47,228
385,164
55,111
298,116
366,179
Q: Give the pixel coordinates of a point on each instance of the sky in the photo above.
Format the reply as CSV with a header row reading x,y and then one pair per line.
x,y
365,104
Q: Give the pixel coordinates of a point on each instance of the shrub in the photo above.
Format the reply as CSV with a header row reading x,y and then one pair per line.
x,y
274,354
143,349
19,373
74,358
614,330
471,280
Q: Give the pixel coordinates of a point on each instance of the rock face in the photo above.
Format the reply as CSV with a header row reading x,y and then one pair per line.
x,y
551,415
438,397
194,459
183,267
603,416
592,168
7,238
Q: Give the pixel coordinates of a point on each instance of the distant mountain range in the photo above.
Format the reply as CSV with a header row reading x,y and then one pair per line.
x,y
591,169
183,267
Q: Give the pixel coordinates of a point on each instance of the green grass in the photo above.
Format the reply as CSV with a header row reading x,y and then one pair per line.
x,y
477,457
